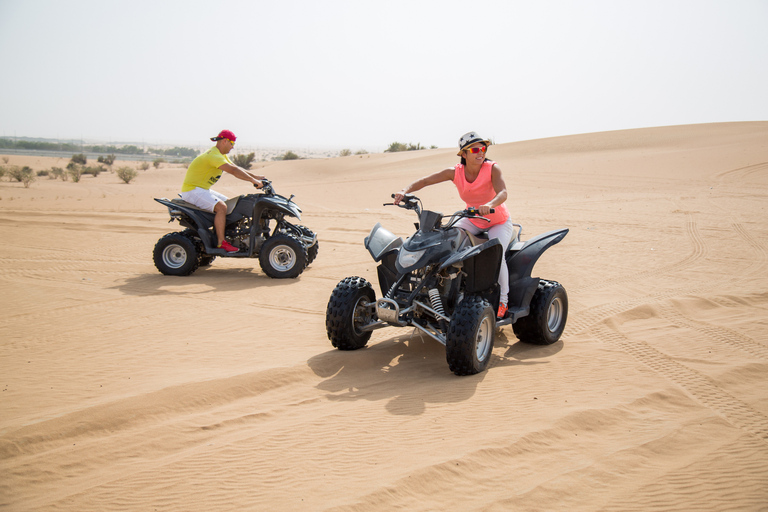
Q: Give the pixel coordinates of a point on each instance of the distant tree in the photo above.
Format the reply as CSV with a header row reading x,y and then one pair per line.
x,y
244,161
79,159
157,161
3,170
57,172
126,174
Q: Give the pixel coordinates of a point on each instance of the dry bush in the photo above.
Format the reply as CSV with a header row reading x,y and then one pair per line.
x,y
127,174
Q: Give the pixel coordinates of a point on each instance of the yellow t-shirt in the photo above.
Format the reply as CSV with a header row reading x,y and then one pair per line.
x,y
204,170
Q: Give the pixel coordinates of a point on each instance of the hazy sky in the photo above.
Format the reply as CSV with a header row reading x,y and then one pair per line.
x,y
362,74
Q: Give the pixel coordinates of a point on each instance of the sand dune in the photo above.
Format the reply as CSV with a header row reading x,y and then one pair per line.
x,y
123,389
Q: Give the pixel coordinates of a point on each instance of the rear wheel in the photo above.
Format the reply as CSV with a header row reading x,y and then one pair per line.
x,y
549,312
175,255
350,308
205,260
469,342
283,256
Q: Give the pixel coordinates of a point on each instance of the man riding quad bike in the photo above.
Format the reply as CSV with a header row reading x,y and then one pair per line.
x,y
443,281
283,250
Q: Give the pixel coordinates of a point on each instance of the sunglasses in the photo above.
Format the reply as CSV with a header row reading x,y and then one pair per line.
x,y
231,142
477,150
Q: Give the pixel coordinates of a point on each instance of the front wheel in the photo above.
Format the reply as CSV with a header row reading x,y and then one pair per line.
x,y
283,256
546,321
311,251
175,255
350,308
469,342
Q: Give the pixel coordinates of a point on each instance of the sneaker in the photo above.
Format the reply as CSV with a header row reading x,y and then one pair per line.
x,y
228,247
502,311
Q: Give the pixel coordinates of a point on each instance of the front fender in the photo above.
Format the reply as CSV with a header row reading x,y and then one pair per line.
x,y
481,263
381,241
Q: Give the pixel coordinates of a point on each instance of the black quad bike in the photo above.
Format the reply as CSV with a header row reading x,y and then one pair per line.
x,y
283,251
443,281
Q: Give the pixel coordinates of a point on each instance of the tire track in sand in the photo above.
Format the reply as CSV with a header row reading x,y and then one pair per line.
x,y
698,251
700,387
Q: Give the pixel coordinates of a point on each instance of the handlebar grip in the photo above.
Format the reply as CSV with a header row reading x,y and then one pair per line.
x,y
493,210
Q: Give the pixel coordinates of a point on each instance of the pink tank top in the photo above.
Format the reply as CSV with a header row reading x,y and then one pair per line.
x,y
480,192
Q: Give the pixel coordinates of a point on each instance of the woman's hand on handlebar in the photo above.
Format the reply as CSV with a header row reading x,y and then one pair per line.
x,y
484,209
398,196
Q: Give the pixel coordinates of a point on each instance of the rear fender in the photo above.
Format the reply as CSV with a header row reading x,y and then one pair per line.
x,y
192,218
521,261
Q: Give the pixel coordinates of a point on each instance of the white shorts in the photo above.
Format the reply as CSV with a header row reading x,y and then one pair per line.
x,y
203,198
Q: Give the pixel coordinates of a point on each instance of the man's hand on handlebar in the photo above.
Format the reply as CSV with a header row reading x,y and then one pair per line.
x,y
258,183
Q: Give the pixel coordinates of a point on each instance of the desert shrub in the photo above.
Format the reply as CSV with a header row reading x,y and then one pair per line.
x,y
94,171
244,161
126,174
14,172
5,159
27,176
74,171
396,147
108,160
3,171
44,172
345,152
79,159
57,172
144,166
361,152
157,161
290,155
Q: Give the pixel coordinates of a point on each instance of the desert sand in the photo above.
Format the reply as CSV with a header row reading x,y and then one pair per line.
x,y
127,390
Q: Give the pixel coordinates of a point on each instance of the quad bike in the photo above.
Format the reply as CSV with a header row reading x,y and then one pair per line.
x,y
283,251
443,281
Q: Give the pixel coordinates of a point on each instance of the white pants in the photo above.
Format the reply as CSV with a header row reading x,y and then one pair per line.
x,y
203,198
504,232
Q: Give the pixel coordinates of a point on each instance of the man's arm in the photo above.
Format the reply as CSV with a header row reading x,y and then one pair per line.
x,y
240,173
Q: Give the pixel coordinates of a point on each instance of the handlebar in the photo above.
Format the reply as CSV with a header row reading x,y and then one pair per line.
x,y
411,202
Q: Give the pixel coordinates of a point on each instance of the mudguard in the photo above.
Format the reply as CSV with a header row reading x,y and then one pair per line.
x,y
481,264
381,241
521,261
275,202
521,258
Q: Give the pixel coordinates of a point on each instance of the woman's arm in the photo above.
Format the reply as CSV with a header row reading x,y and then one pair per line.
x,y
501,191
432,179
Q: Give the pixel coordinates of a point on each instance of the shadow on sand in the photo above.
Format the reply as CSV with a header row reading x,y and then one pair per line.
x,y
410,371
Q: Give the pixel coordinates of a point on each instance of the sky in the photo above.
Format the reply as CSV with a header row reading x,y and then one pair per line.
x,y
362,74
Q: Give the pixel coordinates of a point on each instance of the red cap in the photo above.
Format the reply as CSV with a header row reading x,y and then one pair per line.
x,y
225,134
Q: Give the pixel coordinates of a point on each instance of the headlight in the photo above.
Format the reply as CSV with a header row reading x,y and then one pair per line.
x,y
408,258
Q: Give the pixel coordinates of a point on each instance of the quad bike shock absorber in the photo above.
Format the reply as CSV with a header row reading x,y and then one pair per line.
x,y
434,299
